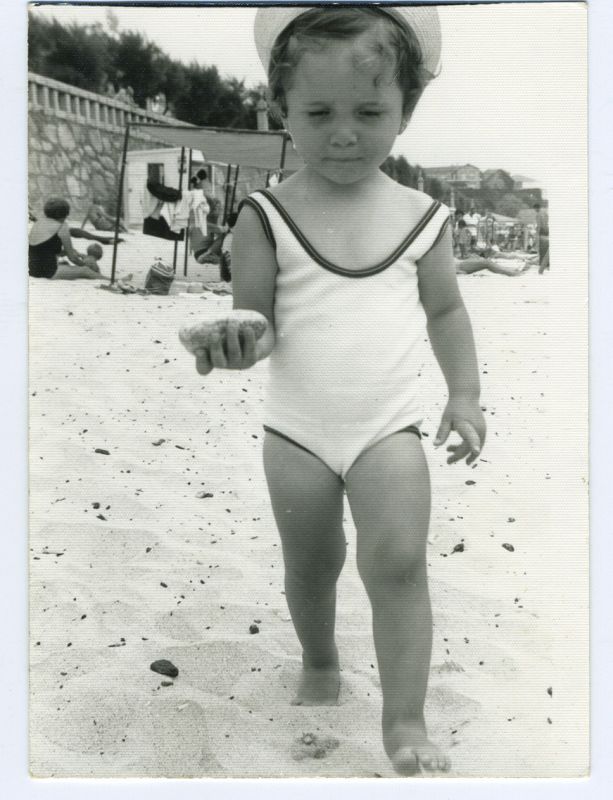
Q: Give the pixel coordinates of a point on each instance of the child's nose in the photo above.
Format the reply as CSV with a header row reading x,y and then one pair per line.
x,y
344,136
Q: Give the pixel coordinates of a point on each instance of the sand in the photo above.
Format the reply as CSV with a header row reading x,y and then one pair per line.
x,y
151,538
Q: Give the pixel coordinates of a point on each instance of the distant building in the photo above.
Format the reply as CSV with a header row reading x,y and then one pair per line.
x,y
467,175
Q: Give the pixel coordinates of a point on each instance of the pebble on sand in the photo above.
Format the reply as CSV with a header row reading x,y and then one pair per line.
x,y
164,667
509,547
254,628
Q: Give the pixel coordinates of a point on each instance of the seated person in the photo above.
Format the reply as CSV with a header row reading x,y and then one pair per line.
x,y
221,248
79,233
101,220
94,254
49,237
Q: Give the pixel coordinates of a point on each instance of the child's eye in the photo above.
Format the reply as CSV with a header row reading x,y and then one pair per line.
x,y
319,113
370,113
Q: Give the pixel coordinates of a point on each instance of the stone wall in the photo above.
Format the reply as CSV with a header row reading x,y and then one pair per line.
x,y
75,143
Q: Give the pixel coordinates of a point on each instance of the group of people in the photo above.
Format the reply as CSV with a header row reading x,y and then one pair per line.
x,y
51,253
477,240
216,246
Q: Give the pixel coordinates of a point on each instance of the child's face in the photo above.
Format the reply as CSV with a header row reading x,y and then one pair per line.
x,y
343,124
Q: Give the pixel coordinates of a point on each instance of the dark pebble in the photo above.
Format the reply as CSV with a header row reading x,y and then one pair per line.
x,y
509,547
164,667
459,548
167,683
102,452
470,483
254,629
95,505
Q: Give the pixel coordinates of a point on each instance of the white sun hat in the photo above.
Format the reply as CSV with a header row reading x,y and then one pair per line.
x,y
422,20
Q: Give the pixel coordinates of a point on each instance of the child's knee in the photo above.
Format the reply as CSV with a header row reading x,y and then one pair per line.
x,y
392,569
317,571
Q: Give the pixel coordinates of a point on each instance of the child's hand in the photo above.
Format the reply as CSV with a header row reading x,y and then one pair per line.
x,y
228,352
464,416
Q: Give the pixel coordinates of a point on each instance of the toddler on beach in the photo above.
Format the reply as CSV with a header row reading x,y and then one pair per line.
x,y
347,312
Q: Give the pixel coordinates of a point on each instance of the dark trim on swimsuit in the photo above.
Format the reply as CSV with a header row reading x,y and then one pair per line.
x,y
263,218
409,429
438,238
351,273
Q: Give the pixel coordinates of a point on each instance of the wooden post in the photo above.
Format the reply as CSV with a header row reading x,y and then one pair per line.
x,y
176,247
119,200
286,137
189,175
234,189
226,194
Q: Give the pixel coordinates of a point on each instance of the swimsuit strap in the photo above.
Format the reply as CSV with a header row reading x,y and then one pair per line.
x,y
252,203
410,239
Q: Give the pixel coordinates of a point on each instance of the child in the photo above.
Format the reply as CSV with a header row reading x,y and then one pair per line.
x,y
94,254
346,315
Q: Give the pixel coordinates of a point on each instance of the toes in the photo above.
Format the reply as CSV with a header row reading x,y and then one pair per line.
x,y
433,761
405,761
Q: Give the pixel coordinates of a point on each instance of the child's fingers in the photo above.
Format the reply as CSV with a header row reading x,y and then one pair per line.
x,y
469,435
459,451
216,352
233,346
249,347
203,363
443,432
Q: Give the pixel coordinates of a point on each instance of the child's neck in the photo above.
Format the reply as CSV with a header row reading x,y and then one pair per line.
x,y
357,192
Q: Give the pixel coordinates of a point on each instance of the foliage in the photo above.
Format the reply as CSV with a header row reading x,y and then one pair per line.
x,y
92,59
510,205
398,168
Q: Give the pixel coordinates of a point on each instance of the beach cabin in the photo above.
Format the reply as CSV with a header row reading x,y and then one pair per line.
x,y
163,165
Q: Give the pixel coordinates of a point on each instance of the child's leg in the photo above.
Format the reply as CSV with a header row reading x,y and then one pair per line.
x,y
389,493
307,501
73,272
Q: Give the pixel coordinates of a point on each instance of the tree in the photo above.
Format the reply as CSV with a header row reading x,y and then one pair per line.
x,y
509,205
90,57
72,54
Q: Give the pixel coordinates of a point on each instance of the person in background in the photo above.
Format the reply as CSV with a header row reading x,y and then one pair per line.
x,y
457,216
472,220
100,219
542,235
49,238
464,239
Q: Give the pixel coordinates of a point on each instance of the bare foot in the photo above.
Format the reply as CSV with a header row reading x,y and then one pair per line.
x,y
320,685
411,751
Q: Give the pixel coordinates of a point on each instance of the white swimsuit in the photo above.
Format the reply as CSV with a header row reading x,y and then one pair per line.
x,y
344,369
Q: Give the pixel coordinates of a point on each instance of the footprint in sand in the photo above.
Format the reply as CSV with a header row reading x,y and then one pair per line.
x,y
310,745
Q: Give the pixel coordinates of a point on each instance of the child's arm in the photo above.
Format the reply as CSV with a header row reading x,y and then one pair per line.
x,y
64,234
254,270
452,341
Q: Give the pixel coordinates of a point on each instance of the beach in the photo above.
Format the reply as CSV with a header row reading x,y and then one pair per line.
x,y
151,538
